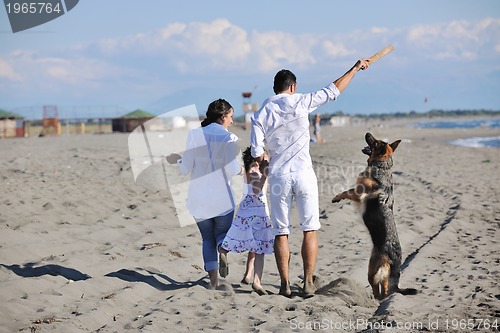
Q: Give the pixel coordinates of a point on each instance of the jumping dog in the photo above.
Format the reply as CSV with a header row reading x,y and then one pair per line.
x,y
374,191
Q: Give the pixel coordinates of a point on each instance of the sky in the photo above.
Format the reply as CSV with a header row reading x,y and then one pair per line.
x,y
109,57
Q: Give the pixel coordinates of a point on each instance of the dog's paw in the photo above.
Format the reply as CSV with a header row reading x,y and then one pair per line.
x,y
336,199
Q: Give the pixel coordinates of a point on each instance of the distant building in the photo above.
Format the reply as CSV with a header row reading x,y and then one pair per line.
x,y
179,122
11,125
128,122
340,121
249,108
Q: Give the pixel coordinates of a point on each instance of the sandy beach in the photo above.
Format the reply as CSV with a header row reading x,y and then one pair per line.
x,y
83,248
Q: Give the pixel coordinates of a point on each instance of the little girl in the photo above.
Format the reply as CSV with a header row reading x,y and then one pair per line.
x,y
251,229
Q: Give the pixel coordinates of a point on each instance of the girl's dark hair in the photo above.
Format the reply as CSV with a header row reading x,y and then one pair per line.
x,y
282,80
248,159
216,110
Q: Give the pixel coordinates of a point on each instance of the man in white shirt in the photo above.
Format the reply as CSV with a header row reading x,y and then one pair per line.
x,y
282,124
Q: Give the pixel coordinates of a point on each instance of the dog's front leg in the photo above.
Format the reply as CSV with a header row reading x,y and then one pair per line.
x,y
341,196
353,194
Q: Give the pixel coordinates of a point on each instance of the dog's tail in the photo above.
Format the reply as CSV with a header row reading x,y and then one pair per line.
x,y
407,291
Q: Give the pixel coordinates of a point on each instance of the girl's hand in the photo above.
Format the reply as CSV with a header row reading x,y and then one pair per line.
x,y
264,167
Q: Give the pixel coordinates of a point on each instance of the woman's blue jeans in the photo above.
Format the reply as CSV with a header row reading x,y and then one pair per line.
x,y
213,231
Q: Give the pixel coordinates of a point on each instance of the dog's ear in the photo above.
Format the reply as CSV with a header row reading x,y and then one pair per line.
x,y
395,145
370,139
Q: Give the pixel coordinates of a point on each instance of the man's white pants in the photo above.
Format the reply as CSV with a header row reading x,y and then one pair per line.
x,y
301,186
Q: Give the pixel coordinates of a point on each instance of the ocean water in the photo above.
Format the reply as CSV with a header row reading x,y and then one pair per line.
x,y
473,142
478,142
470,123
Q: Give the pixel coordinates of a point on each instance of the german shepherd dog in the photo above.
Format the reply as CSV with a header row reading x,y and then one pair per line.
x,y
374,191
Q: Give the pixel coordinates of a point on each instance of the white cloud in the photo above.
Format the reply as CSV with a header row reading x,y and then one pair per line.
x,y
335,49
149,61
379,30
219,44
172,30
455,40
73,72
6,71
199,48
192,47
41,72
273,49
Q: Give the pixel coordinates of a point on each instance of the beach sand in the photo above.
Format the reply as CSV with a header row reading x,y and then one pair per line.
x,y
85,249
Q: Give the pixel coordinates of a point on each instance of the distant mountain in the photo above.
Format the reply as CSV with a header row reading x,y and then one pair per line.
x,y
201,97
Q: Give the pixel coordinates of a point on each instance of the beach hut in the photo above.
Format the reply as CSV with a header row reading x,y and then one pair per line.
x,y
127,123
340,121
11,125
249,108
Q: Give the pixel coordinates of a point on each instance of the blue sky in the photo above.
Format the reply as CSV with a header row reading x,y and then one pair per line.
x,y
159,55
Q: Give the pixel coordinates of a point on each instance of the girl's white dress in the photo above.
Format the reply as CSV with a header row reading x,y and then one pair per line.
x,y
251,229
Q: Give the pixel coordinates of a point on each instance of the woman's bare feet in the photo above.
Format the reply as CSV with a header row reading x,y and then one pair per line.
x,y
214,279
259,290
246,280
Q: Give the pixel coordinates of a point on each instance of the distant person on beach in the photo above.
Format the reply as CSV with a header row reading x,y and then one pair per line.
x,y
282,125
251,229
317,129
211,160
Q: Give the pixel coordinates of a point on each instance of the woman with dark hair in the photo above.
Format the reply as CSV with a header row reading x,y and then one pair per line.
x,y
211,161
217,111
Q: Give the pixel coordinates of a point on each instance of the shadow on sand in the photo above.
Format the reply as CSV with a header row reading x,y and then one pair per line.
x,y
28,270
134,276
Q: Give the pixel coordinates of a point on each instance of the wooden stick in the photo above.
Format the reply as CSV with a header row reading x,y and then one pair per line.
x,y
381,53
